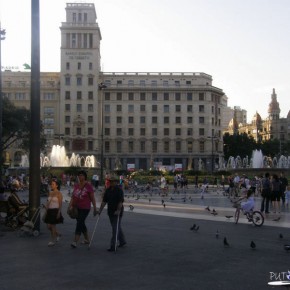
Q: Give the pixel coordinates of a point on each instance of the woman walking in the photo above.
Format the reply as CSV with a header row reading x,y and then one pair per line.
x,y
82,197
53,212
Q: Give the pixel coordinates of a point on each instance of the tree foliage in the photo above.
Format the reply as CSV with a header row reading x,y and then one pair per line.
x,y
243,145
16,127
238,145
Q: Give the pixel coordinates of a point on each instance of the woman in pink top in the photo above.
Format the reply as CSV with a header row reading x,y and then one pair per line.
x,y
82,197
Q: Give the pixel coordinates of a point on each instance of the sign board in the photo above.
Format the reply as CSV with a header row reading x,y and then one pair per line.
x,y
178,167
130,167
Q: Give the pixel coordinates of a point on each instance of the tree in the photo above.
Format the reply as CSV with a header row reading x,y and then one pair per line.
x,y
16,127
273,147
238,145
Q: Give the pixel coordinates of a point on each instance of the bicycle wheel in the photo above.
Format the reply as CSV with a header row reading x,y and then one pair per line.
x,y
237,215
258,218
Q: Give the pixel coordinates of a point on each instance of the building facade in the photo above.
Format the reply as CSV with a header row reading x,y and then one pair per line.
x,y
272,127
137,120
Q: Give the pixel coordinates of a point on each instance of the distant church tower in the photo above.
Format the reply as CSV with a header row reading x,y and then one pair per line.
x,y
80,67
274,109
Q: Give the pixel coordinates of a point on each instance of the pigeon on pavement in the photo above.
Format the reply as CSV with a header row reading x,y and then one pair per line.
x,y
226,244
228,216
253,245
193,227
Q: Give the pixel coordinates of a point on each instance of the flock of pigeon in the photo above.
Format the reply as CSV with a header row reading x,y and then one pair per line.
x,y
195,228
227,245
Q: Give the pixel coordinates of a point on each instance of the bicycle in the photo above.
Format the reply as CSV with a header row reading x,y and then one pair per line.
x,y
255,216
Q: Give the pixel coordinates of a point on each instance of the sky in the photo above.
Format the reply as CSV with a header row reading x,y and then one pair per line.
x,y
243,44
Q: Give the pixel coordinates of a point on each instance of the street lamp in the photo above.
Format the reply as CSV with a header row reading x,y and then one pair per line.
x,y
214,137
102,86
2,37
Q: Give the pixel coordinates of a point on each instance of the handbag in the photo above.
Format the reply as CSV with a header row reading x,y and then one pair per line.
x,y
72,212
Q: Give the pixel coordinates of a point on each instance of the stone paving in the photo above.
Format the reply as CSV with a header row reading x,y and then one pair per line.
x,y
162,251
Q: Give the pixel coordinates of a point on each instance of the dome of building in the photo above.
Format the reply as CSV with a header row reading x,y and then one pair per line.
x,y
256,119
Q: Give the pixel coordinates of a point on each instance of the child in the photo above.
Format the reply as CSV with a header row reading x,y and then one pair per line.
x,y
287,195
248,205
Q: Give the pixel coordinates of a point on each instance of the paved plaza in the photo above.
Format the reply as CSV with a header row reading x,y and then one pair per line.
x,y
162,251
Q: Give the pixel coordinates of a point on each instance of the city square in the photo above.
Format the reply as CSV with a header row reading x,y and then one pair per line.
x,y
143,127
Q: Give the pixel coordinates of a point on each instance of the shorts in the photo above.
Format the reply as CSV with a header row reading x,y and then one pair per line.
x,y
275,196
51,217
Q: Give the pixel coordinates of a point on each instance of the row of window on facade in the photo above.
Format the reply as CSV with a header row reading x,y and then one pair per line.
x,y
177,96
142,147
142,108
152,83
26,84
79,80
79,66
79,40
48,96
79,17
154,96
154,132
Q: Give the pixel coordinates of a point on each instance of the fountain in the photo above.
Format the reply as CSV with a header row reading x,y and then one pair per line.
x,y
58,158
258,161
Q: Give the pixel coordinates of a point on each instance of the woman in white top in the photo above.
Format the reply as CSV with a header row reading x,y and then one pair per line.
x,y
249,204
53,212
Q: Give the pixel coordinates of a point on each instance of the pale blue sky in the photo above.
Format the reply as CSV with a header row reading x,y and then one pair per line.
x,y
243,44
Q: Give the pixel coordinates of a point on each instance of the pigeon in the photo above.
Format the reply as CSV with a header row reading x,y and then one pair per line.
x,y
214,212
193,227
162,201
131,207
207,208
280,236
229,216
217,234
253,245
277,219
287,247
164,205
197,228
171,198
149,200
226,244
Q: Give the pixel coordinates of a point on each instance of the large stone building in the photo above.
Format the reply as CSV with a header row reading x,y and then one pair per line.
x,y
140,119
273,127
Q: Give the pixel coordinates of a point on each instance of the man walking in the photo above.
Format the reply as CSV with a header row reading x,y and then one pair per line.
x,y
266,193
114,197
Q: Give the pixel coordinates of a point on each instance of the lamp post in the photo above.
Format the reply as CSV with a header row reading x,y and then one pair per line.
x,y
2,37
212,152
102,86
